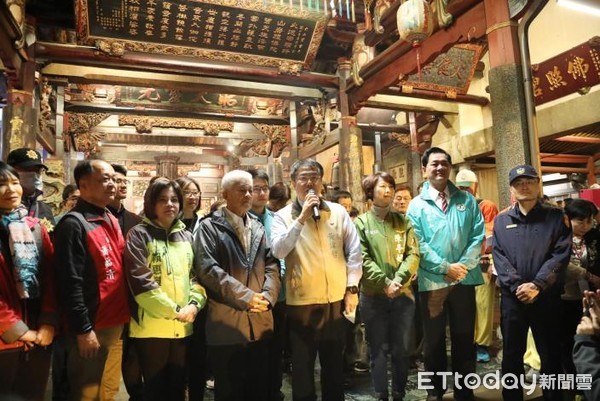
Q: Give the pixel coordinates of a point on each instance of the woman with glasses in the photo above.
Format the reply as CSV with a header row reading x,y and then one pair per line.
x,y
191,202
390,254
28,312
158,265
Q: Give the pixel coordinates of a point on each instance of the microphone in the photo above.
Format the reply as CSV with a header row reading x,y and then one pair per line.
x,y
315,209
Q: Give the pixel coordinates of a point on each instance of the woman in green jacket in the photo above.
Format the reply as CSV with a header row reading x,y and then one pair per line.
x,y
158,265
390,254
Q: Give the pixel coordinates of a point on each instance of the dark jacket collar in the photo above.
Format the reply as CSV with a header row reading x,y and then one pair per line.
x,y
89,211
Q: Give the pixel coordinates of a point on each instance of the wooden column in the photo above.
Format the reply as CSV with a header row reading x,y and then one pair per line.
x,y
166,166
591,167
351,157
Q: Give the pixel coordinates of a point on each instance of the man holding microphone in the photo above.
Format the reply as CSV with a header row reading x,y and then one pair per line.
x,y
323,262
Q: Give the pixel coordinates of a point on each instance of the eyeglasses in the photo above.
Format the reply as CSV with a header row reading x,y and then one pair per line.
x,y
258,190
303,179
191,194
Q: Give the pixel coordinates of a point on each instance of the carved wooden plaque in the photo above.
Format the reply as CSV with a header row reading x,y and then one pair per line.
x,y
449,72
254,32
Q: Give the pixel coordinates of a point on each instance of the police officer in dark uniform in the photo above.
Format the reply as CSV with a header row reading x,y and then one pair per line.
x,y
28,162
532,246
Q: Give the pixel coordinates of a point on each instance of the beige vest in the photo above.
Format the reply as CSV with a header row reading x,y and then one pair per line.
x,y
316,271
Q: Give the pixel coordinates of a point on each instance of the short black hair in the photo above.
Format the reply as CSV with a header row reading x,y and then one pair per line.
x,y
119,168
428,152
580,209
82,170
404,187
260,174
68,191
7,171
306,163
153,193
369,182
340,194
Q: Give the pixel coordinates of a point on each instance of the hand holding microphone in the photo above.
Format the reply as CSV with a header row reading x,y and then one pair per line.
x,y
316,214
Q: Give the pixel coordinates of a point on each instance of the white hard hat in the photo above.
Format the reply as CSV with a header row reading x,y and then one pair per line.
x,y
465,178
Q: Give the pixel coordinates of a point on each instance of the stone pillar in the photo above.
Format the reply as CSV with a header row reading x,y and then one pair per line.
x,y
507,94
166,166
351,157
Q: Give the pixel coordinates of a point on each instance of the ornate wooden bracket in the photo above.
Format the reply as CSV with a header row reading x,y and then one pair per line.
x,y
79,130
112,48
144,125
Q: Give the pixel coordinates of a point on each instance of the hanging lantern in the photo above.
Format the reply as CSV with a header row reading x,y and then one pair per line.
x,y
415,21
415,24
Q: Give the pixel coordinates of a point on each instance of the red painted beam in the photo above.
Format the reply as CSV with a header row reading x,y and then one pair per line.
x,y
153,62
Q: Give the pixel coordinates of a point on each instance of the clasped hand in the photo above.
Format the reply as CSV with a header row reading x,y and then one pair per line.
x,y
456,272
258,304
42,337
527,292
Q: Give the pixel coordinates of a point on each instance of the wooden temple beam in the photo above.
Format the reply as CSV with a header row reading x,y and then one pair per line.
x,y
12,58
150,112
578,139
89,55
400,59
212,142
434,95
114,76
566,170
563,158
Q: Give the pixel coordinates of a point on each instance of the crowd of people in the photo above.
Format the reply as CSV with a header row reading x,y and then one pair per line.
x,y
167,299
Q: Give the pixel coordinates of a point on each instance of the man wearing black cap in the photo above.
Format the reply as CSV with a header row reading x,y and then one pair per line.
x,y
28,162
532,247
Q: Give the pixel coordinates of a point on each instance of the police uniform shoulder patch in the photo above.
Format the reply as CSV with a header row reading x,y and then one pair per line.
x,y
461,207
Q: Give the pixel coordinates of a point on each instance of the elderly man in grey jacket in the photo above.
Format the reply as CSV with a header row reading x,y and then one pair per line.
x,y
233,262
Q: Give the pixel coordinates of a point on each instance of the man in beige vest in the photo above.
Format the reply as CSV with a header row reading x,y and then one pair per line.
x,y
323,262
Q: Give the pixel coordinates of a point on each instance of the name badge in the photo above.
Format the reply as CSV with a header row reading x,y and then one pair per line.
x,y
511,226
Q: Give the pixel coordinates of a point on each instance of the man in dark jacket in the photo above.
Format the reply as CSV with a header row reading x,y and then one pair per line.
x,y
93,294
126,218
532,247
132,376
234,263
28,162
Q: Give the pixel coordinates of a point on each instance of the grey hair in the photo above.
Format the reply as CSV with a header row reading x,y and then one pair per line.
x,y
235,176
306,163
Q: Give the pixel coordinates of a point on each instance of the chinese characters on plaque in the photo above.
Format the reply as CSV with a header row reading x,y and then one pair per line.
x,y
568,72
268,31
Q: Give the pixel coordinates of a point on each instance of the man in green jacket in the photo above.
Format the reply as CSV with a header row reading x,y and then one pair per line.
x,y
450,230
